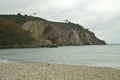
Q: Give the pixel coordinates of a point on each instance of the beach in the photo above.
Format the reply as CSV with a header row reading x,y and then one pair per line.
x,y
45,71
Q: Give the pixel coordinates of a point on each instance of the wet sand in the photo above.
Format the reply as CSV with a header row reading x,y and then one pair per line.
x,y
44,71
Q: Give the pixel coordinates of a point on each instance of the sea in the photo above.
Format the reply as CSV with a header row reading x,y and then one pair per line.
x,y
89,55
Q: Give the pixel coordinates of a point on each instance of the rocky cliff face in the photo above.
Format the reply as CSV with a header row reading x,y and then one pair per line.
x,y
28,31
55,33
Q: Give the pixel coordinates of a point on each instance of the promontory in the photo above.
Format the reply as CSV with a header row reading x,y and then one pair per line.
x,y
28,31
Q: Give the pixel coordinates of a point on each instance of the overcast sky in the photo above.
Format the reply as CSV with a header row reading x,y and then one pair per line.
x,y
100,16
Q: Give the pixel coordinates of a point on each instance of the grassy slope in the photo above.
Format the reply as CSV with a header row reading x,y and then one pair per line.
x,y
12,34
69,26
10,31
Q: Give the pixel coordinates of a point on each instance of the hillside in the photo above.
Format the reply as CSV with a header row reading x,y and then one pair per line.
x,y
11,32
28,31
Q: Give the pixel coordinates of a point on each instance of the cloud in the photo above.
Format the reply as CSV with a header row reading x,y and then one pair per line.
x,y
64,4
108,27
100,16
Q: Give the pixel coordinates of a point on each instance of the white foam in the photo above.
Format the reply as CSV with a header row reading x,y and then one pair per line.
x,y
6,61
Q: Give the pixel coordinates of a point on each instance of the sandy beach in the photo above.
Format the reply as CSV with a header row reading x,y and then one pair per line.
x,y
44,71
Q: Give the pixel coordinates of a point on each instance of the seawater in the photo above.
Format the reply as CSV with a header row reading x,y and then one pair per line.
x,y
92,55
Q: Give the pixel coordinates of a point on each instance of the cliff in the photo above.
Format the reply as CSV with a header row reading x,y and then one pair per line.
x,y
28,31
47,33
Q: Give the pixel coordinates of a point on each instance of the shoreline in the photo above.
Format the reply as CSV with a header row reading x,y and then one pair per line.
x,y
46,71
44,46
27,46
22,62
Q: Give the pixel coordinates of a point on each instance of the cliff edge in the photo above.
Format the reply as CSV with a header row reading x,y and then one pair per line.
x,y
28,31
48,33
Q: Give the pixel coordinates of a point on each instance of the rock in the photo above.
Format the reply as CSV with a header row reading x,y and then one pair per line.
x,y
28,31
49,33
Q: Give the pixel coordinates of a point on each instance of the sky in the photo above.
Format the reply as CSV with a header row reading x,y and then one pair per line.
x,y
100,16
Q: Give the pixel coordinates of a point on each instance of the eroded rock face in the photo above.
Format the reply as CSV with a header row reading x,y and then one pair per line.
x,y
47,33
36,27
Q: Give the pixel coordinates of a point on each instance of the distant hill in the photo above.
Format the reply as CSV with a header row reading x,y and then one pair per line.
x,y
28,31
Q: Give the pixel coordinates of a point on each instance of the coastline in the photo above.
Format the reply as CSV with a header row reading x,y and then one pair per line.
x,y
45,71
26,46
42,46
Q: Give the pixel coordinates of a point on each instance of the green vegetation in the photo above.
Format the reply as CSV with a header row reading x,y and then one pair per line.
x,y
19,19
11,33
69,26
